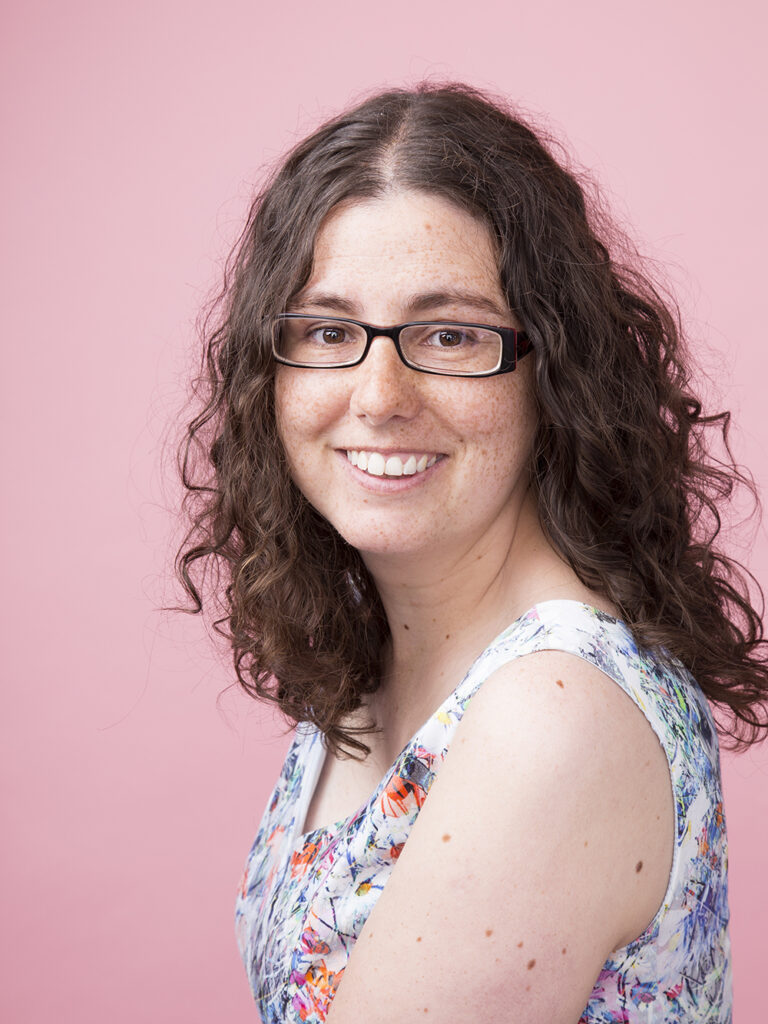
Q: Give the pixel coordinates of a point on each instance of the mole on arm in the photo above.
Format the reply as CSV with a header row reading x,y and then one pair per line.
x,y
563,950
446,837
489,931
418,938
560,683
406,626
519,945
639,866
531,963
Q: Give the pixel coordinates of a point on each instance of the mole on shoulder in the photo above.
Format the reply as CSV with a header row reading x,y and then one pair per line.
x,y
447,636
639,866
560,683
489,931
406,626
531,963
446,837
418,938
563,950
519,945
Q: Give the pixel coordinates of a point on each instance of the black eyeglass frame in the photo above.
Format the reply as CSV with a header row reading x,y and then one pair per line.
x,y
514,344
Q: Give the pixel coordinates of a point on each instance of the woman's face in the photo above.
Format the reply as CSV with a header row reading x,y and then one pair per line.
x,y
409,256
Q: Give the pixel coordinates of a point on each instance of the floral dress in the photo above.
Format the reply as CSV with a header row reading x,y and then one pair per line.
x,y
305,897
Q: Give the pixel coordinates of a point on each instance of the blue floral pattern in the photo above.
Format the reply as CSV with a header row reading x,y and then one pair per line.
x,y
305,898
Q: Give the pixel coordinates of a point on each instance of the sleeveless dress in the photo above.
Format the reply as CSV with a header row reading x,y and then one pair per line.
x,y
305,896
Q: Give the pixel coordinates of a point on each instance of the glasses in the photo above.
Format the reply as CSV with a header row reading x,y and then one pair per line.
x,y
442,347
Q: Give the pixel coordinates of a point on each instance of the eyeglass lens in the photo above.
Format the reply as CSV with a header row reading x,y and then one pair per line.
x,y
456,348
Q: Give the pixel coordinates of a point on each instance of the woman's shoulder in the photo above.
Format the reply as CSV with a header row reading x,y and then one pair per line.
x,y
588,751
658,684
557,720
636,730
573,676
619,692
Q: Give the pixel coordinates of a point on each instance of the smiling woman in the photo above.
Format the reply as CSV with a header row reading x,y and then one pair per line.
x,y
472,438
460,489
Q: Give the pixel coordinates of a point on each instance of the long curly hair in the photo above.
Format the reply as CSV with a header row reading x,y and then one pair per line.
x,y
629,487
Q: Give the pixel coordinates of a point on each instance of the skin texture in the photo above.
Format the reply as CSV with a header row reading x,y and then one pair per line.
x,y
481,903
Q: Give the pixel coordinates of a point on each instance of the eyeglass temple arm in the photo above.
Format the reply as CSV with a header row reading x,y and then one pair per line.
x,y
516,345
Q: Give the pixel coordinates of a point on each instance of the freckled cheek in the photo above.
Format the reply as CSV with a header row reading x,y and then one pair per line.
x,y
502,424
304,409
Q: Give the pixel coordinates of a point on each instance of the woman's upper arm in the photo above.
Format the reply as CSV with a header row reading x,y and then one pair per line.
x,y
545,843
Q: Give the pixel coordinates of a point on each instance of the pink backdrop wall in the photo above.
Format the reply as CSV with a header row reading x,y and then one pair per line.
x,y
131,135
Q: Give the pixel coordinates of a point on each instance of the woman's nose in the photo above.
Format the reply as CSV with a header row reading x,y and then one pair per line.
x,y
384,387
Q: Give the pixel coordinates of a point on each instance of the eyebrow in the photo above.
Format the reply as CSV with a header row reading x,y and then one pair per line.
x,y
414,305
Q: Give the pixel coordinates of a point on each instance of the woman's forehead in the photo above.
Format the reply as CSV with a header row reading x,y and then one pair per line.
x,y
419,243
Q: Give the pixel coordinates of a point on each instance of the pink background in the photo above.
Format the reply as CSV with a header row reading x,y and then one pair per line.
x,y
132,133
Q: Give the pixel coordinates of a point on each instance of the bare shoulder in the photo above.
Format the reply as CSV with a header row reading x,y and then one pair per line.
x,y
551,708
545,843
594,771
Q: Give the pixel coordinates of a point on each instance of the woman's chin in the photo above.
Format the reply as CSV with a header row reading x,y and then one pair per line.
x,y
393,544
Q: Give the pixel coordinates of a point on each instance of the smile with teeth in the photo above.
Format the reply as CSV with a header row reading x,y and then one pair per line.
x,y
390,465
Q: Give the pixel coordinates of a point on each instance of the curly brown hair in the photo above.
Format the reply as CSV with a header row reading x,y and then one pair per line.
x,y
629,488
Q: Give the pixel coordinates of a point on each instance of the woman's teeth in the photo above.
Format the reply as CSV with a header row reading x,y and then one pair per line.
x,y
381,465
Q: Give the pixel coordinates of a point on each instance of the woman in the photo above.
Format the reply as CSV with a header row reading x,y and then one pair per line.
x,y
479,533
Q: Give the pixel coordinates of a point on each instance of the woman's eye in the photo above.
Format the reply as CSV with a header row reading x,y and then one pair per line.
x,y
450,338
331,335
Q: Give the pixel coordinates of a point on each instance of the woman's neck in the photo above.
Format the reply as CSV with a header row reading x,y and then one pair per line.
x,y
445,607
